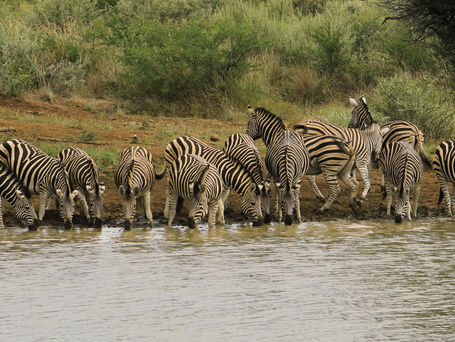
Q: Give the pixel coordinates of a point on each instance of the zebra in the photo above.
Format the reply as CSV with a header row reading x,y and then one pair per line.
x,y
365,143
233,174
287,160
403,169
40,174
84,176
135,177
194,179
399,130
443,166
240,148
329,155
11,190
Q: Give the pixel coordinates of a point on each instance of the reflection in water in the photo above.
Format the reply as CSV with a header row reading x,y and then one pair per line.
x,y
317,281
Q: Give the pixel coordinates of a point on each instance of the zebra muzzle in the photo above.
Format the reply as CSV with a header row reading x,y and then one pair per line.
x,y
34,225
98,222
191,223
398,218
68,224
267,218
288,220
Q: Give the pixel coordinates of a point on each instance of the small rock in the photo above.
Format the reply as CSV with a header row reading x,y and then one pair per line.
x,y
214,137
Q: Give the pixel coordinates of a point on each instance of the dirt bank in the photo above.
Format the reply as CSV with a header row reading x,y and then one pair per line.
x,y
62,124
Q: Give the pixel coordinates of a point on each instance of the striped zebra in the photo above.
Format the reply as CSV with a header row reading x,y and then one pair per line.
x,y
329,155
398,130
135,177
11,190
40,174
240,148
233,174
403,169
287,160
84,176
365,143
444,167
194,179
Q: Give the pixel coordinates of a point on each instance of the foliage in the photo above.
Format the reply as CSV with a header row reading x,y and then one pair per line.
x,y
420,100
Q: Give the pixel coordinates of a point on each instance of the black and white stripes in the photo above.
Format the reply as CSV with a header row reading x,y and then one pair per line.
x,y
444,167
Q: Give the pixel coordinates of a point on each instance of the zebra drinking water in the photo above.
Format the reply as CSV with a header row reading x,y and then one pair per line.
x,y
11,190
135,177
402,168
241,148
194,179
84,176
234,175
40,174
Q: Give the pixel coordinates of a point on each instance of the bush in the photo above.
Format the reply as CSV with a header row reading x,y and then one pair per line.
x,y
420,100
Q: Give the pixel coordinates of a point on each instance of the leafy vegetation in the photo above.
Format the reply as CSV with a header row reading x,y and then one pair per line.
x,y
211,58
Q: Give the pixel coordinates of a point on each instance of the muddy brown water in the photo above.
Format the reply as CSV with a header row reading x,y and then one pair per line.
x,y
317,281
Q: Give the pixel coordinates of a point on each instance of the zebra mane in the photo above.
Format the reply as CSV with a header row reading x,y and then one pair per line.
x,y
405,173
270,115
129,175
69,189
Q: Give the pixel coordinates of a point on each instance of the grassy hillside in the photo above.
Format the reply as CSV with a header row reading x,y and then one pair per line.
x,y
211,58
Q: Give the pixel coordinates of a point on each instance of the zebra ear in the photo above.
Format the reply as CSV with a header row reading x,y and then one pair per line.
x,y
250,110
20,194
353,102
90,188
59,192
364,100
252,187
191,186
101,188
121,190
74,194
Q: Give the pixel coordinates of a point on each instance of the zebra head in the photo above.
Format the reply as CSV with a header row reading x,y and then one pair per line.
x,y
198,200
66,205
251,205
25,212
253,128
287,200
402,206
361,117
373,135
128,203
95,203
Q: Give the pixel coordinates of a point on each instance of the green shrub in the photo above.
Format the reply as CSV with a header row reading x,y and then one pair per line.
x,y
420,100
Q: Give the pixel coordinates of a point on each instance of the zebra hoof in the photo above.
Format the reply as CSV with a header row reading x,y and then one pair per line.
x,y
321,199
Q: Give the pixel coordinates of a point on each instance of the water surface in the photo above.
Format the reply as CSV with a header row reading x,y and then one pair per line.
x,y
330,281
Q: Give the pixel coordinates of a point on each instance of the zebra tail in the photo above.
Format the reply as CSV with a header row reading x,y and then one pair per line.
x,y
161,174
345,147
441,196
419,148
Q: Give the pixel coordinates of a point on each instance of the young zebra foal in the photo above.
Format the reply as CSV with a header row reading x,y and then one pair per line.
x,y
403,168
10,189
83,176
192,178
135,177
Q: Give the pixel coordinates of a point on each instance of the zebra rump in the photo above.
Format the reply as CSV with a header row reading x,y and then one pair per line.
x,y
444,167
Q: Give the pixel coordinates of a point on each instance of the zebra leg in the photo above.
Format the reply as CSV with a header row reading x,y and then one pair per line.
x,y
213,209
84,205
381,175
166,206
363,170
346,178
147,209
312,180
334,188
297,202
416,199
224,196
171,208
452,199
220,213
444,186
1,215
43,196
278,211
388,198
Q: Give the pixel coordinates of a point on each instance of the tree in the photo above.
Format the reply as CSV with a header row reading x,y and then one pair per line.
x,y
427,18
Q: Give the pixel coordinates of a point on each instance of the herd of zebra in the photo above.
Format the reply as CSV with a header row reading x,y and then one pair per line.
x,y
204,175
